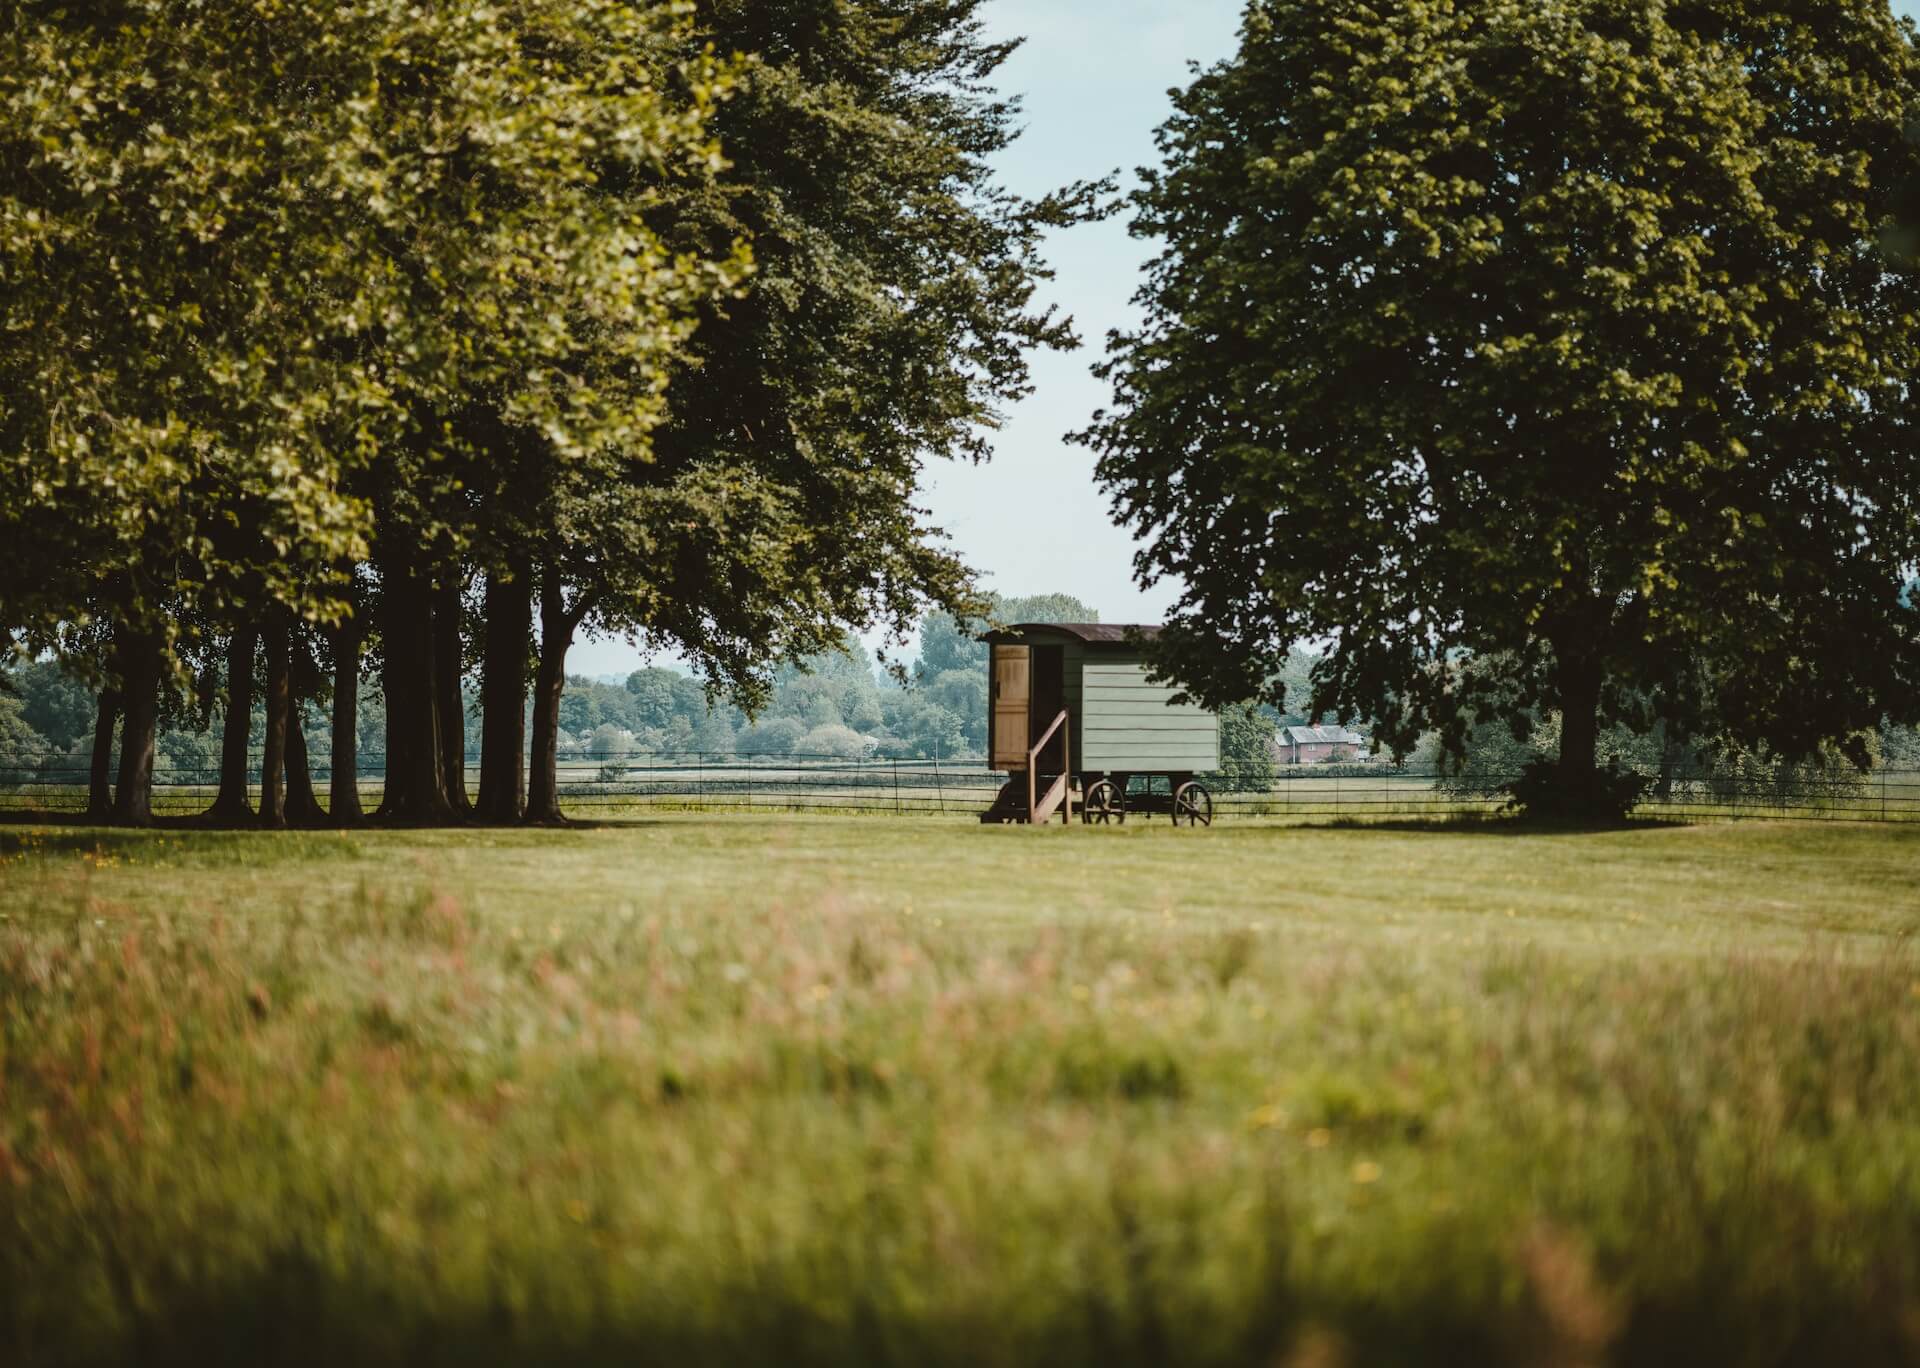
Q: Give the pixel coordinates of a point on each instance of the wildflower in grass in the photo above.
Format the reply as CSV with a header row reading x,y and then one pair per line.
x,y
1365,1172
1272,1116
1319,1138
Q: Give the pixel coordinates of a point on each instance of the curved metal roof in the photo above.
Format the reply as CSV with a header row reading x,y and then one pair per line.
x,y
1092,633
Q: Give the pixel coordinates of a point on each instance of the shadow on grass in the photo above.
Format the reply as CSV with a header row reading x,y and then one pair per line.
x,y
1451,824
42,838
1512,826
291,1312
69,833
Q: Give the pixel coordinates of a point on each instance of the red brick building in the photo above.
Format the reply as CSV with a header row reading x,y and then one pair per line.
x,y
1318,746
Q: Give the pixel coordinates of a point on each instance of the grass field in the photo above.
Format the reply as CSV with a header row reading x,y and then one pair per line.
x,y
843,1090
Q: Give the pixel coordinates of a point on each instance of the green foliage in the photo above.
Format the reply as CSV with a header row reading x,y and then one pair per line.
x,y
661,695
963,695
1541,792
1900,746
20,744
1292,688
920,729
53,705
835,740
1246,748
1556,337
256,259
1760,775
774,736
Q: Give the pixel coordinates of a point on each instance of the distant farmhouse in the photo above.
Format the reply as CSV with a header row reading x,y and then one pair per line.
x,y
1318,746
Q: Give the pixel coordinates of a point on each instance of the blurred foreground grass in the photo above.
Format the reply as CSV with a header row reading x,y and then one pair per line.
x,y
857,1091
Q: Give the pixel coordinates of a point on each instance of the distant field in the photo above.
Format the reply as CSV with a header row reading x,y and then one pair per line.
x,y
766,1088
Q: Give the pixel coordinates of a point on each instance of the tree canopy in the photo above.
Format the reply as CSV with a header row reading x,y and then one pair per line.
x,y
1554,338
401,329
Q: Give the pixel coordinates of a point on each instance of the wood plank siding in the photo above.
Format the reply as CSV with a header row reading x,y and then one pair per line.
x,y
1130,725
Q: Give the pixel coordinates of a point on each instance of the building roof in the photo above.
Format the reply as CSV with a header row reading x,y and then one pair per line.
x,y
1322,736
1092,633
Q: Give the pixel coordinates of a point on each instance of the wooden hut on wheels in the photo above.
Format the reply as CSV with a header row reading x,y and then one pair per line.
x,y
1077,725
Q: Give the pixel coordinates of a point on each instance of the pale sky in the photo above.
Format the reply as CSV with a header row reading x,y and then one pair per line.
x,y
1094,75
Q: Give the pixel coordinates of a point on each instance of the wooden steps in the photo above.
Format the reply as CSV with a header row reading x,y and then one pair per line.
x,y
1010,804
1020,800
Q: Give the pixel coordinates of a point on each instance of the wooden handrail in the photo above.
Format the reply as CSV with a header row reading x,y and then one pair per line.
x,y
1033,762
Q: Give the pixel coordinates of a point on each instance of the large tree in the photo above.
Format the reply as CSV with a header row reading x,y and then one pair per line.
x,y
887,323
257,264
1555,337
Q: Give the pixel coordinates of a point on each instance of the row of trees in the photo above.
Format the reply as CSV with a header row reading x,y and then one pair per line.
x,y
321,328
1545,360
838,703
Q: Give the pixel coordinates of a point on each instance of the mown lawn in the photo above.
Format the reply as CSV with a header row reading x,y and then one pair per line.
x,y
742,1089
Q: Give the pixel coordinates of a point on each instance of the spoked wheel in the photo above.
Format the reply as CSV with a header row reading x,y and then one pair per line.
x,y
1192,805
1104,804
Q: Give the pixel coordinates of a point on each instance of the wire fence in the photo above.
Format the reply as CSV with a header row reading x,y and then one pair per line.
x,y
607,785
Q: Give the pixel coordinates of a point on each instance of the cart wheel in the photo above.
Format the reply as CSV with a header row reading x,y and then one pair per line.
x,y
1192,805
1105,802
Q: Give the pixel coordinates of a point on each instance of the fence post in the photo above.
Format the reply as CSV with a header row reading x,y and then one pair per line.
x,y
896,786
939,785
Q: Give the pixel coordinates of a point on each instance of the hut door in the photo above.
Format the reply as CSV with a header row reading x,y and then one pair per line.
x,y
1012,688
1049,697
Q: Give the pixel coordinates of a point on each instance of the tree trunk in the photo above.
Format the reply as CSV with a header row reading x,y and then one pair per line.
x,y
100,769
448,668
556,635
343,795
416,782
1672,753
139,656
503,697
236,732
303,804
1578,680
273,757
